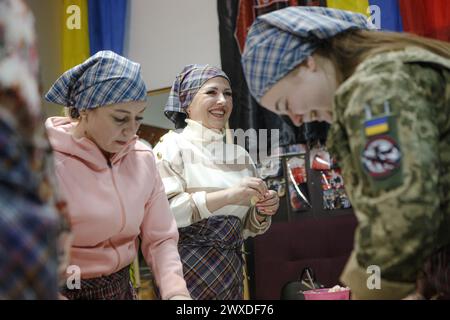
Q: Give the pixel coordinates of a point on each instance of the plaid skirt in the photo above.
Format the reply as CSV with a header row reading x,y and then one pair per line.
x,y
212,258
116,286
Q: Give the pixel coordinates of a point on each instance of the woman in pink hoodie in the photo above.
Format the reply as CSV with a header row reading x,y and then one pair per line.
x,y
114,192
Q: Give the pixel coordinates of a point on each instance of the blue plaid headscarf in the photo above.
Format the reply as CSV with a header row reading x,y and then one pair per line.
x,y
185,87
279,41
103,79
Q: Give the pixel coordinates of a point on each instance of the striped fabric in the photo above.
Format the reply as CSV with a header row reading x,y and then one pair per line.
x,y
279,41
212,258
103,79
185,86
116,286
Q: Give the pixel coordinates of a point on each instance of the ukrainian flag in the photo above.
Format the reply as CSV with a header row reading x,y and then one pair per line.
x,y
90,26
360,6
389,11
75,33
376,126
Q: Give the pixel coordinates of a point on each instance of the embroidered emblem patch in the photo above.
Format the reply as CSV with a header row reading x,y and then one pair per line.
x,y
381,157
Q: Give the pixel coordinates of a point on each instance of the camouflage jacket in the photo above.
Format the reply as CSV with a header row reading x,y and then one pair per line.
x,y
391,135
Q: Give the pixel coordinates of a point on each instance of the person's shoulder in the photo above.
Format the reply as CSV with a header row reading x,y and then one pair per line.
x,y
167,141
169,145
372,70
411,54
142,151
170,137
390,73
391,63
142,146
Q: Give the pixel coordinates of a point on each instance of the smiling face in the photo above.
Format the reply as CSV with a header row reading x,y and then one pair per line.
x,y
306,93
111,127
213,103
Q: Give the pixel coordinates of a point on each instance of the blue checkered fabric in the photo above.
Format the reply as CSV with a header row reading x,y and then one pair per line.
x,y
28,250
279,41
103,79
186,85
28,226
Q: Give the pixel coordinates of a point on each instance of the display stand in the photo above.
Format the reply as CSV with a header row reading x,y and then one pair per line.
x,y
318,202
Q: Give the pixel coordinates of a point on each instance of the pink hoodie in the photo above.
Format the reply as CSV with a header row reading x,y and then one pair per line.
x,y
110,206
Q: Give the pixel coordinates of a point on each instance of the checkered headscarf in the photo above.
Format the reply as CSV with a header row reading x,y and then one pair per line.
x,y
185,87
279,41
103,79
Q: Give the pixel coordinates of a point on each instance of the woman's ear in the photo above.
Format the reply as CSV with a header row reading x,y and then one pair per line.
x,y
310,63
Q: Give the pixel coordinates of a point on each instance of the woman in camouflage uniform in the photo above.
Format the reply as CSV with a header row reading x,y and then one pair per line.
x,y
387,96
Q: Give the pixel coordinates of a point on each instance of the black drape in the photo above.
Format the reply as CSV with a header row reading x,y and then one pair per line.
x,y
247,113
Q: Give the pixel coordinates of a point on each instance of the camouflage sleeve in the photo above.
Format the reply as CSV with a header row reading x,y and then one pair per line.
x,y
387,121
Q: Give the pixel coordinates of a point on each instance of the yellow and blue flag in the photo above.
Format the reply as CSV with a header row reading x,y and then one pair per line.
x,y
359,6
75,33
376,126
389,11
90,26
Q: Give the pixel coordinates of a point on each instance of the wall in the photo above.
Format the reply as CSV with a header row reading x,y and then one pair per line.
x,y
48,15
163,36
154,114
166,35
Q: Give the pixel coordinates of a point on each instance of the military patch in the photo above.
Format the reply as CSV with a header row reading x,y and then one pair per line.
x,y
381,157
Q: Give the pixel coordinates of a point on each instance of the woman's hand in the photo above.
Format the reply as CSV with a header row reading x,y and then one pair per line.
x,y
247,189
269,205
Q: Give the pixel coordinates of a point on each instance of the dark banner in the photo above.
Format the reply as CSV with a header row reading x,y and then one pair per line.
x,y
235,18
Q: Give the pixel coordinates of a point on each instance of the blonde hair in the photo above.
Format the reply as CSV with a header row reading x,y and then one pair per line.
x,y
349,49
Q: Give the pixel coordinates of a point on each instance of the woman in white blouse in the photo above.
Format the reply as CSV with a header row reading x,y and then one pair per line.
x,y
213,189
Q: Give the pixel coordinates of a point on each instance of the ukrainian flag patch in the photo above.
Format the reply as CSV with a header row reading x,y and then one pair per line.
x,y
376,126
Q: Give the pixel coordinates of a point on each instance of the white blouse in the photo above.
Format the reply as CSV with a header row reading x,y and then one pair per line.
x,y
196,161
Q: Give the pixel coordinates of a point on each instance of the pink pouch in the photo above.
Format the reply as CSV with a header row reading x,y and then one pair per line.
x,y
323,294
